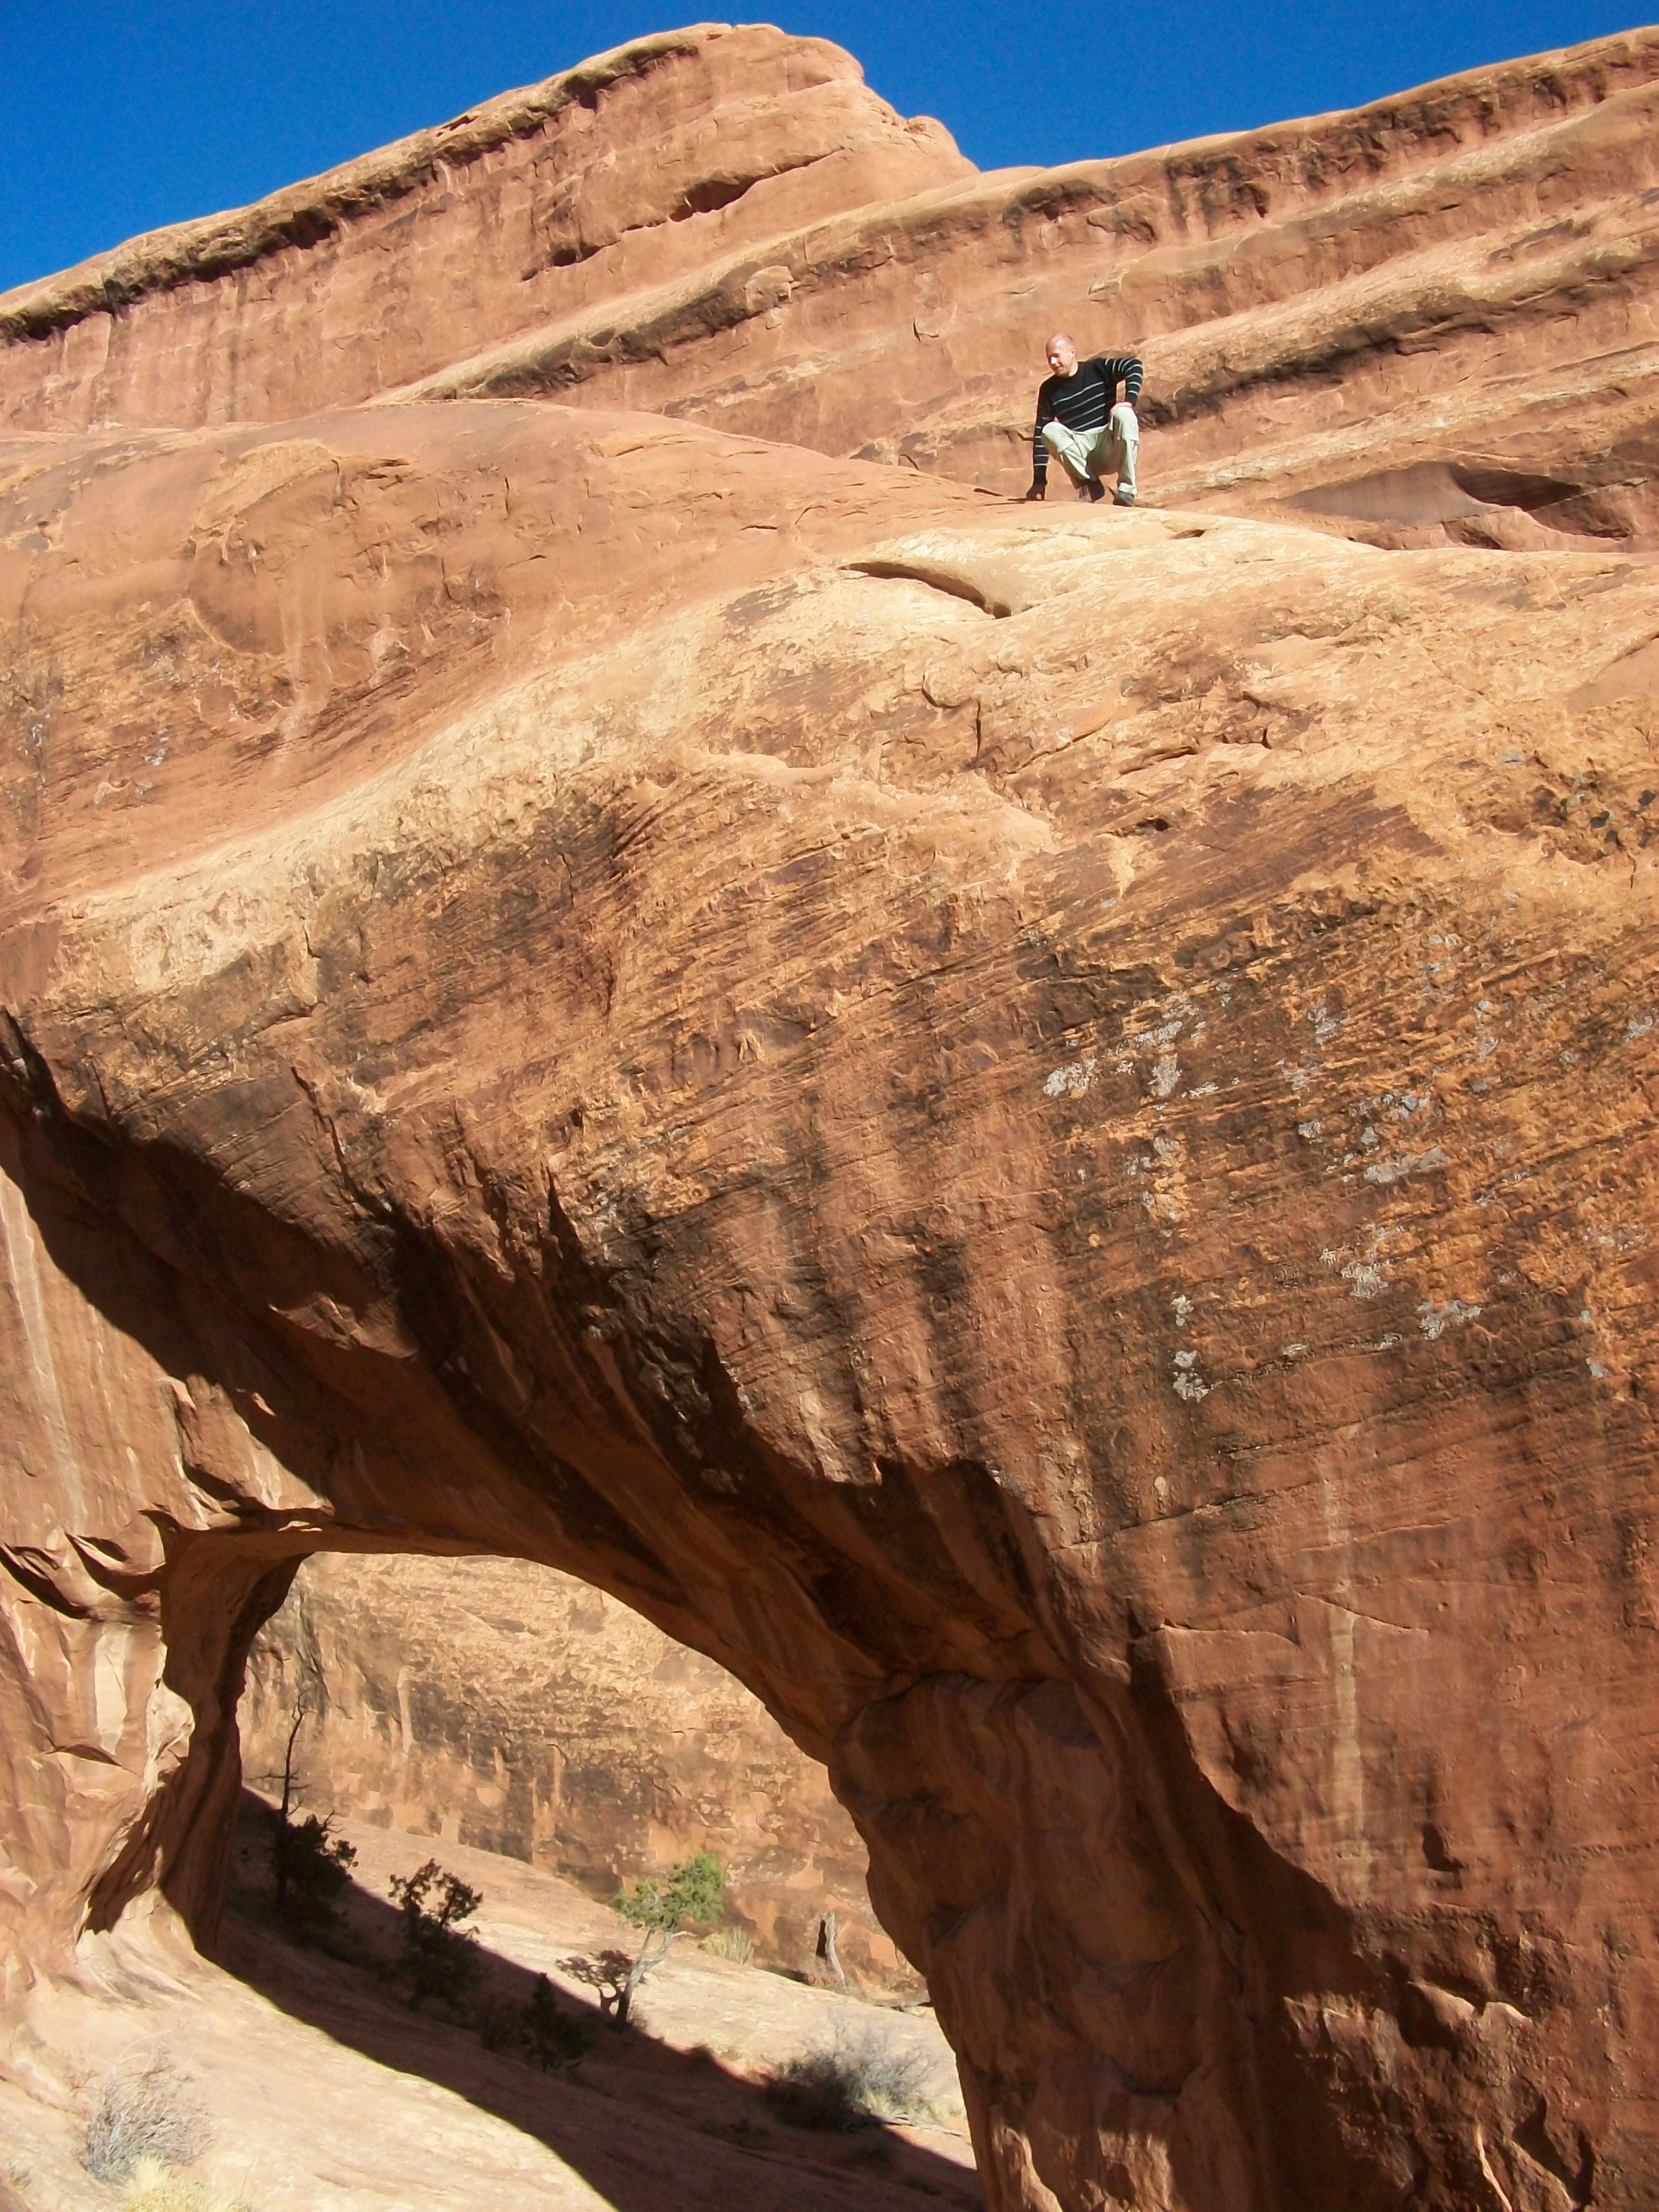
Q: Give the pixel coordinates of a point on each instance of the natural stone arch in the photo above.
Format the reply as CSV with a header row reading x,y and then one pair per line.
x,y
1006,1215
988,1765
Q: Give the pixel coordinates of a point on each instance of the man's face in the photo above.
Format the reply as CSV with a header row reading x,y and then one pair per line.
x,y
1063,356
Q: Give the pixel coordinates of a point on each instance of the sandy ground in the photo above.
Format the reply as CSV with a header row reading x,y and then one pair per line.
x,y
326,2094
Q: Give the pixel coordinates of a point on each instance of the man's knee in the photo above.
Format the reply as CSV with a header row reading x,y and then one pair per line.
x,y
1053,436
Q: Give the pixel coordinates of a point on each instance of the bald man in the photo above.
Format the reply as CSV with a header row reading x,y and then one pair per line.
x,y
1080,418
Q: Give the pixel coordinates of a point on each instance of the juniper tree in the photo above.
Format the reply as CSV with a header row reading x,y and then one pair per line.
x,y
662,1906
438,1956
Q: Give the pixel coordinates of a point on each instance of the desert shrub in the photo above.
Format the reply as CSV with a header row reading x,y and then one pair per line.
x,y
540,2030
554,2039
311,1870
437,1957
854,2083
500,2025
731,1942
142,2112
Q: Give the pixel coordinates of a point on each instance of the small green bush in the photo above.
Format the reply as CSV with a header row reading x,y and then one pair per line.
x,y
688,1893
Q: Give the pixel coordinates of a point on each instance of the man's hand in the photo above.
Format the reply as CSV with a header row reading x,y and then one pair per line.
x,y
1039,488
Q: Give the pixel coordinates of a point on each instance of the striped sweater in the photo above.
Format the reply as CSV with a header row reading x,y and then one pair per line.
x,y
1083,400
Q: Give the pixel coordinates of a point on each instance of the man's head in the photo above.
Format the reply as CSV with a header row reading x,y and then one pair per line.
x,y
1062,355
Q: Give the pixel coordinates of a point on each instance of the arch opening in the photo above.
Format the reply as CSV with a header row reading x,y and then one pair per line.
x,y
519,1713
1014,1858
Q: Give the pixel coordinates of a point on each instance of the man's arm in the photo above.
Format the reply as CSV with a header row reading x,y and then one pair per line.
x,y
1119,368
1039,451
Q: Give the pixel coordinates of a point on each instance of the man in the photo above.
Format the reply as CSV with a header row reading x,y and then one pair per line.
x,y
1077,418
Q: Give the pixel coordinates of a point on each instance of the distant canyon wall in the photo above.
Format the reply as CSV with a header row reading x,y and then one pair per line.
x,y
502,1705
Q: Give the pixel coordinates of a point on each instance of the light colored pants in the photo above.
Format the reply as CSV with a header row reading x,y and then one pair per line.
x,y
1092,452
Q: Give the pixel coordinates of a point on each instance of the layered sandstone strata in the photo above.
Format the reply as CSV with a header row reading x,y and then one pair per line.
x,y
502,1706
1033,1128
645,165
1430,318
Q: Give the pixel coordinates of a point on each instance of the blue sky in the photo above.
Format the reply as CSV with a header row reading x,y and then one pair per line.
x,y
117,116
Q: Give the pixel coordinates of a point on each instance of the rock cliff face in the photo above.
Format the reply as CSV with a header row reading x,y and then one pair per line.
x,y
1032,1126
1431,318
648,165
502,1706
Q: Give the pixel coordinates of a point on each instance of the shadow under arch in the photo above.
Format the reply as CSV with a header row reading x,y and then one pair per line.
x,y
658,2125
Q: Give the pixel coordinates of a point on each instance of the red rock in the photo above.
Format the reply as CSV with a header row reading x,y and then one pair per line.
x,y
1033,1126
642,165
1431,318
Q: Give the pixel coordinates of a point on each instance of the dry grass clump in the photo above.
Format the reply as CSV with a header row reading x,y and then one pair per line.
x,y
732,1942
143,2111
153,2189
856,2081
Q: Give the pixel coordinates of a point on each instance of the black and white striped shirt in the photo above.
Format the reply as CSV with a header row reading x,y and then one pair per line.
x,y
1083,400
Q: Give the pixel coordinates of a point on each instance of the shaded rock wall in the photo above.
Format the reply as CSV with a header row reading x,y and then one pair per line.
x,y
1033,1128
508,1708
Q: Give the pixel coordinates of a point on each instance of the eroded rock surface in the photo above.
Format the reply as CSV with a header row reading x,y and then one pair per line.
x,y
1032,1126
644,166
509,1709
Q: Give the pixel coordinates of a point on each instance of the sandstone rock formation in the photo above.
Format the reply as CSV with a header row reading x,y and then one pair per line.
x,y
1431,317
644,166
508,1708
1034,1127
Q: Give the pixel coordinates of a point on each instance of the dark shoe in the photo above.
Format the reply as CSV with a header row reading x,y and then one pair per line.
x,y
1122,498
1095,488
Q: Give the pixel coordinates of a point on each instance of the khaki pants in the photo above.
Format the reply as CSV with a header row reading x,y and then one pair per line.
x,y
1090,453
